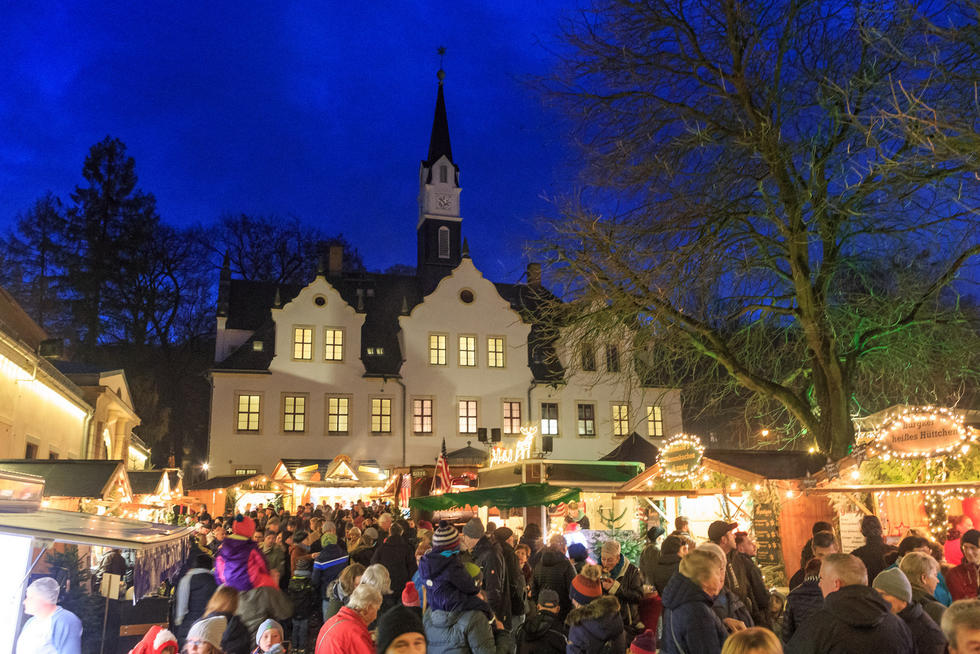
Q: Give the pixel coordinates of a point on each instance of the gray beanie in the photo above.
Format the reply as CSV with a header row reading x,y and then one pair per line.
x,y
209,630
45,588
894,582
265,626
474,529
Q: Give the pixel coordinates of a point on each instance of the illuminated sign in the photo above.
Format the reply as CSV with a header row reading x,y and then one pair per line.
x,y
923,433
681,456
520,451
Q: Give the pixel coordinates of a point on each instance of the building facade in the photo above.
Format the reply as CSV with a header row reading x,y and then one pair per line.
x,y
384,367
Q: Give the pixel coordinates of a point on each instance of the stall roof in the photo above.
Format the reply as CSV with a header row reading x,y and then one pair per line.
x,y
338,471
771,464
503,497
224,481
467,456
634,448
69,477
145,482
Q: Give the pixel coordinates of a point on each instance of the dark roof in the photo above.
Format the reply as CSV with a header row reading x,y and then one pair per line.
x,y
439,139
79,367
634,448
772,464
224,481
467,456
144,482
16,323
67,477
173,477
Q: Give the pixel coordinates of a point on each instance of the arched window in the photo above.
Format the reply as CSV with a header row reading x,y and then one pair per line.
x,y
443,242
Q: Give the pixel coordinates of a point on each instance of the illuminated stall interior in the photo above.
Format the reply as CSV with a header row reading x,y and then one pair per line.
x,y
92,486
153,494
223,491
337,480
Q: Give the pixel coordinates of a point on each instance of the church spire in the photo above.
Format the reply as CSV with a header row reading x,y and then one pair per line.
x,y
439,140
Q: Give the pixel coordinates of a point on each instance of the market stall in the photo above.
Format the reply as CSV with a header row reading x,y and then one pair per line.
x,y
226,491
333,481
93,486
152,495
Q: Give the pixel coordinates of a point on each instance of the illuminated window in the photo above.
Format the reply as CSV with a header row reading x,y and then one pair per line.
x,y
246,471
443,242
495,352
621,419
512,417
588,358
422,416
586,420
549,419
338,414
303,343
467,416
333,344
655,420
249,412
467,351
612,358
375,351
381,415
437,349
294,413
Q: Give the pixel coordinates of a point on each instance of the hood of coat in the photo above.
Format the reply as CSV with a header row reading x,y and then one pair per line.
x,y
433,563
857,606
680,591
597,609
911,613
234,550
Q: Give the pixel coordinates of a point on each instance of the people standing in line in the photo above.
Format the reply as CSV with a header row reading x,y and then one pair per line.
x,y
894,587
622,580
674,549
488,556
963,580
689,621
194,590
51,628
854,618
874,550
347,632
803,601
544,632
650,556
922,572
745,550
554,572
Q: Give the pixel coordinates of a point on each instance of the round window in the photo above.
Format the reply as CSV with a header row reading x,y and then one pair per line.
x,y
319,300
466,295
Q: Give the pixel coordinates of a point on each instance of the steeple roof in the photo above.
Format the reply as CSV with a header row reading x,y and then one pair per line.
x,y
439,140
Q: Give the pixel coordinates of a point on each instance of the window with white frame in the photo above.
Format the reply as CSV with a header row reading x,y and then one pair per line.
x,y
467,351
338,415
621,419
422,415
303,343
467,416
512,417
437,349
495,352
333,344
612,358
549,418
249,411
586,420
655,420
380,415
294,413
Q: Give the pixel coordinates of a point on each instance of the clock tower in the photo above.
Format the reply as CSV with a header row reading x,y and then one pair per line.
x,y
439,225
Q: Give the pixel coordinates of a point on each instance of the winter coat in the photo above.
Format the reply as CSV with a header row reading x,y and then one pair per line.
x,y
542,633
258,604
756,589
664,570
191,599
336,599
329,563
488,555
240,564
275,559
362,555
554,572
344,633
515,579
933,608
853,620
803,601
648,562
963,581
458,632
690,626
302,595
926,634
591,626
872,554
399,559
235,640
628,589
729,605
447,585
297,552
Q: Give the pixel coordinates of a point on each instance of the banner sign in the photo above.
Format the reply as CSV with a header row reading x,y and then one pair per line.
x,y
681,456
923,433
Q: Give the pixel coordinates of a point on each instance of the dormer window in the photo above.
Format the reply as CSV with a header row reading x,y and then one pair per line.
x,y
443,242
257,346
443,174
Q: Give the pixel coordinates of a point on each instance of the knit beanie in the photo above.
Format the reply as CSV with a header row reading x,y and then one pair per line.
x,y
445,537
474,529
894,582
410,596
396,621
645,643
584,590
265,626
209,630
243,526
653,533
578,552
304,567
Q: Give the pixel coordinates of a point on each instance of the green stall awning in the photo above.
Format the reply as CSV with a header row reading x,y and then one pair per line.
x,y
504,497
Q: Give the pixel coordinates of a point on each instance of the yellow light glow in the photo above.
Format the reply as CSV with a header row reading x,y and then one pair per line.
x,y
45,393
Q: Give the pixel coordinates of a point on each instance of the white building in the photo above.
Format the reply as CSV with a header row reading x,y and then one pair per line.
x,y
384,367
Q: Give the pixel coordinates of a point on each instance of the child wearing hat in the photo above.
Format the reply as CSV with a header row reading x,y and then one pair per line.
x,y
447,586
156,641
239,563
595,620
268,638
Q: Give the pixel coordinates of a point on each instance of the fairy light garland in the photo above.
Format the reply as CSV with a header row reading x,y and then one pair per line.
x,y
679,449
882,441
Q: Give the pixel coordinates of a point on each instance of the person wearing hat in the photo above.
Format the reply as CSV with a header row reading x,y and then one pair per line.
x,y
446,585
894,588
304,598
156,641
239,563
516,584
595,624
645,643
543,632
488,555
722,534
205,636
461,629
270,635
963,580
50,629
400,631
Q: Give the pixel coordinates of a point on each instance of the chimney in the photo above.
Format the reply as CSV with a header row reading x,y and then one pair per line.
x,y
534,274
335,260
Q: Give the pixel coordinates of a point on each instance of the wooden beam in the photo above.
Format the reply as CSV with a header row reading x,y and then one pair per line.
x,y
885,488
652,492
732,471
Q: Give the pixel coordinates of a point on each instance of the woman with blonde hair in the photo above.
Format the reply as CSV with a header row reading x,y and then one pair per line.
x,y
224,603
755,640
340,589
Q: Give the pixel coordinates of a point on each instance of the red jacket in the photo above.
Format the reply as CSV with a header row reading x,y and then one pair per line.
x,y
344,633
963,581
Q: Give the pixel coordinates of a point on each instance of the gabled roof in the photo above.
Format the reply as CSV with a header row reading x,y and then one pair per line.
x,y
771,464
634,448
467,456
145,482
223,481
70,477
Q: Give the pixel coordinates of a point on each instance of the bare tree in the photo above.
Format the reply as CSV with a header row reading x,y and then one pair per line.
x,y
755,172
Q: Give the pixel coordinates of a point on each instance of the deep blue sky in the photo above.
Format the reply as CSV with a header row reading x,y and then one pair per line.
x,y
316,109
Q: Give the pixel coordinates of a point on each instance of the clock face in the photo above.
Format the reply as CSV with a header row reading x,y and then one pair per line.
x,y
444,201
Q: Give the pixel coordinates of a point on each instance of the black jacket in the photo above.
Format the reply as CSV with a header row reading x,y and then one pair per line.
x,y
488,555
515,579
399,559
201,588
362,556
853,620
664,570
803,601
758,594
690,626
628,589
593,626
543,633
872,554
648,562
553,571
926,634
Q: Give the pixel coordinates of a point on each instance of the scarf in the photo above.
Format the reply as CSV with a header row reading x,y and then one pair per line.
x,y
619,568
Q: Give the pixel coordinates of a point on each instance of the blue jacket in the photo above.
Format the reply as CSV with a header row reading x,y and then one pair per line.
x,y
803,601
447,585
690,625
591,626
329,563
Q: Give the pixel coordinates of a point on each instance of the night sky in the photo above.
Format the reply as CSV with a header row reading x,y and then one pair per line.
x,y
318,110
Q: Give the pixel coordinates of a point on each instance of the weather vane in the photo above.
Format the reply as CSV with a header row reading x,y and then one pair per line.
x,y
441,51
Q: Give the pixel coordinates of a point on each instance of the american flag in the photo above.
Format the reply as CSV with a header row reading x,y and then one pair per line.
x,y
443,479
406,491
